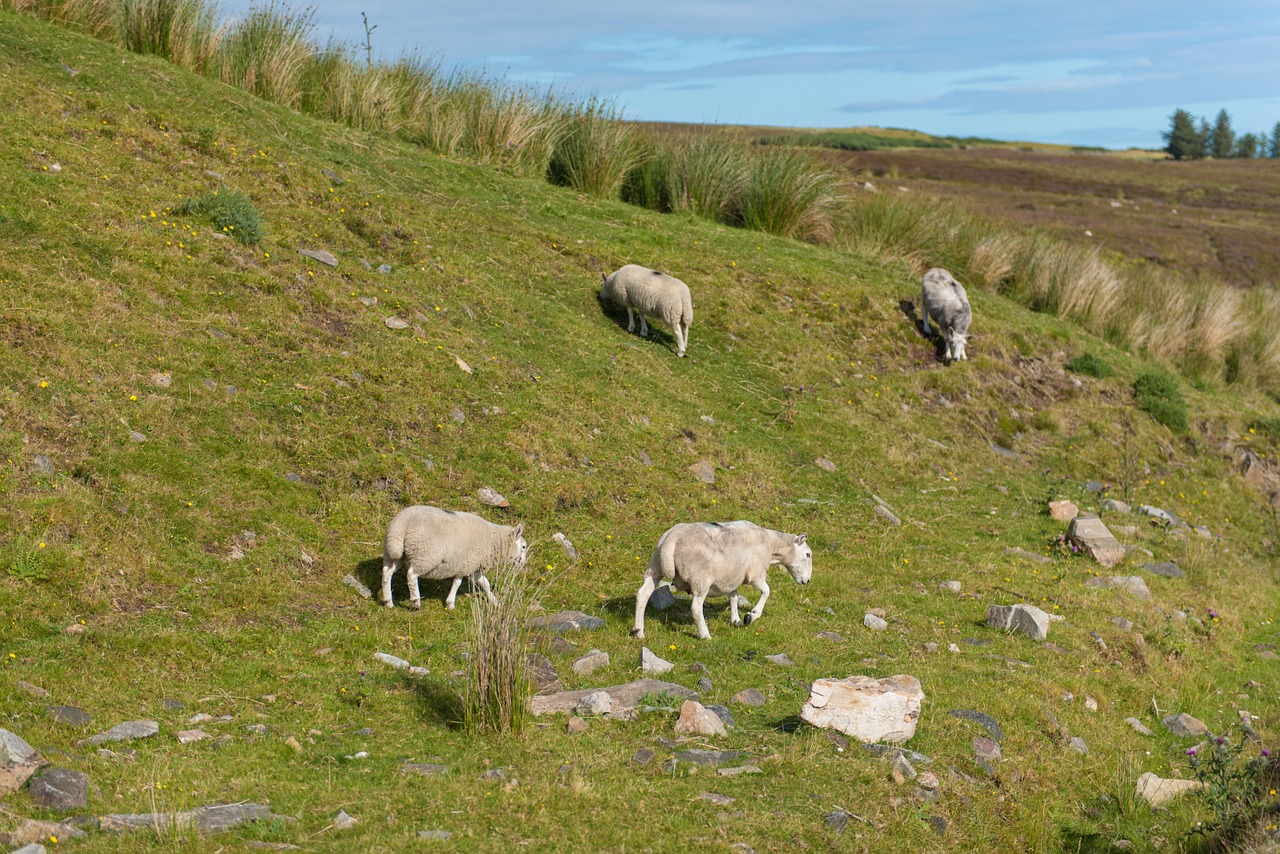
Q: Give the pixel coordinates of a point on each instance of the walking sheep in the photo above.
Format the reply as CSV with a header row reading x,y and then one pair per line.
x,y
647,292
437,544
715,559
944,299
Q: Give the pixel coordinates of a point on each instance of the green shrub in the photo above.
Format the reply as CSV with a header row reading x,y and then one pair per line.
x,y
231,213
1089,365
1158,395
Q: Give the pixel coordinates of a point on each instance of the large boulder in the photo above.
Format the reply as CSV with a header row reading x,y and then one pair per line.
x,y
1028,619
870,710
1091,536
1158,791
697,719
18,761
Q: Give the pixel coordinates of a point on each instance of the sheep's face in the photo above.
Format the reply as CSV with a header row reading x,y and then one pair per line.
x,y
955,346
801,565
520,554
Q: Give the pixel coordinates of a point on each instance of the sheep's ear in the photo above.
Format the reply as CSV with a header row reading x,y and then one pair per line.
x,y
519,530
603,278
801,538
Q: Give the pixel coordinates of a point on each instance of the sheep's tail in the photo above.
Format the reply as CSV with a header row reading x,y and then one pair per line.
x,y
393,545
686,311
663,563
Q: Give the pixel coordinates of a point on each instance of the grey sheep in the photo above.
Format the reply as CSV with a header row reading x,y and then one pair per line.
x,y
715,559
647,292
437,544
946,302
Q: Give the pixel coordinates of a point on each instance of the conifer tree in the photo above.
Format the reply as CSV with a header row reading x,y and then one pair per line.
x,y
1181,140
1222,140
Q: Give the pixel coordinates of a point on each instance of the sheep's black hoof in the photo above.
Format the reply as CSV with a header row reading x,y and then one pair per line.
x,y
746,619
636,633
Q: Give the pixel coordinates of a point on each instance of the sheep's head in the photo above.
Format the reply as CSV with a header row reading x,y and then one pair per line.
x,y
955,345
801,563
521,551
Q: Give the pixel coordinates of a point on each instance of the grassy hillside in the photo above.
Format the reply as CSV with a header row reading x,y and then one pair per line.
x,y
201,437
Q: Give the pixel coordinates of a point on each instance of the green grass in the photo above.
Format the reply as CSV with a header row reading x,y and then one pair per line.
x,y
1089,365
1158,395
232,427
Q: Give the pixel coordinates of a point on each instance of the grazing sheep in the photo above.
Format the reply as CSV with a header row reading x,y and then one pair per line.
x,y
438,544
944,299
647,292
715,559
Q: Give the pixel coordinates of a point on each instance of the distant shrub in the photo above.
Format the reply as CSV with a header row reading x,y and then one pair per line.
x,y
231,212
1089,365
1158,395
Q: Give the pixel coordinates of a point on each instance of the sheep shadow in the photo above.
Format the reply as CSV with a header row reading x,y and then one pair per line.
x,y
369,573
678,617
618,315
439,701
908,308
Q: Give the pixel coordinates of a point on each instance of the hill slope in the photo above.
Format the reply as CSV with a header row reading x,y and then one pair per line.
x,y
202,437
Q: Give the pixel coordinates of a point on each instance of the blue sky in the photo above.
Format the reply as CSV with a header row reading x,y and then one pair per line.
x,y
1083,73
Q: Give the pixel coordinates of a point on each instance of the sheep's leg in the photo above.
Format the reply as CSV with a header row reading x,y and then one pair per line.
x,y
642,602
415,595
453,593
698,619
924,319
734,619
644,325
389,566
754,613
681,338
483,584
631,319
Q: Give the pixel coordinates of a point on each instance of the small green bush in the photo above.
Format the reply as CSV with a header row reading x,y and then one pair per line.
x,y
231,212
1089,365
1157,394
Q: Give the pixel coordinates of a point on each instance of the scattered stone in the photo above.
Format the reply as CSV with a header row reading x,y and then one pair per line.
x,y
542,673
650,663
324,257
1185,725
560,646
256,730
1138,726
624,697
983,720
1131,584
424,769
334,177
930,647
702,758
704,685
564,621
566,545
1064,510
577,725
749,697
825,464
704,471
343,820
1167,569
208,819
1090,703
127,731
1158,792
41,464
33,848
643,756
356,585
1028,619
870,710
1077,744
723,713
188,736
716,798
939,824
876,624
492,497
595,703
1111,505
1123,624
28,688
781,659
33,832
591,662
901,769
696,719
1090,534
883,513
834,637
69,715
951,586
986,748
928,780
384,269
59,789
662,599
392,661
1155,514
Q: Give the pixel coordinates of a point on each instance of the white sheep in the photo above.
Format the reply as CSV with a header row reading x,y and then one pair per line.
x,y
647,292
437,544
715,559
945,301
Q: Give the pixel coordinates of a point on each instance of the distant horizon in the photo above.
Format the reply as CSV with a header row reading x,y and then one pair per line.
x,y
1095,74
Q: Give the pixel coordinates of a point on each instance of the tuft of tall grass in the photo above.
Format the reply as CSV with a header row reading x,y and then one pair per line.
x,y
498,683
702,172
788,193
267,52
595,150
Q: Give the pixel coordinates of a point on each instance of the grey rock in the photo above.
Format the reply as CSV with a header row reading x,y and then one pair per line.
x,y
435,835
356,585
424,769
343,820
702,758
723,713
1093,486
391,660
1185,725
749,697
566,545
256,730
870,710
781,659
981,719
33,832
565,621
1166,569
591,662
1111,505
1158,792
623,697
595,703
172,705
577,725
643,756
650,663
876,624
384,269
127,731
986,748
662,599
69,715
1131,584
1091,535
323,256
33,848
1027,619
704,685
190,736
704,470
1005,452
41,464
59,789
394,322
543,674
208,819
951,586
883,513
28,688
939,824
901,769
1122,623
135,436
334,177
1077,744
716,798
1158,515
1026,555
834,637
825,464
1138,726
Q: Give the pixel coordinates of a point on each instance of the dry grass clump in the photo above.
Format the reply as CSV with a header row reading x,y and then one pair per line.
x,y
498,685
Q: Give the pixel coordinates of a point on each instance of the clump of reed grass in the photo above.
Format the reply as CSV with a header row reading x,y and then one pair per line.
x,y
498,684
267,52
788,193
595,150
